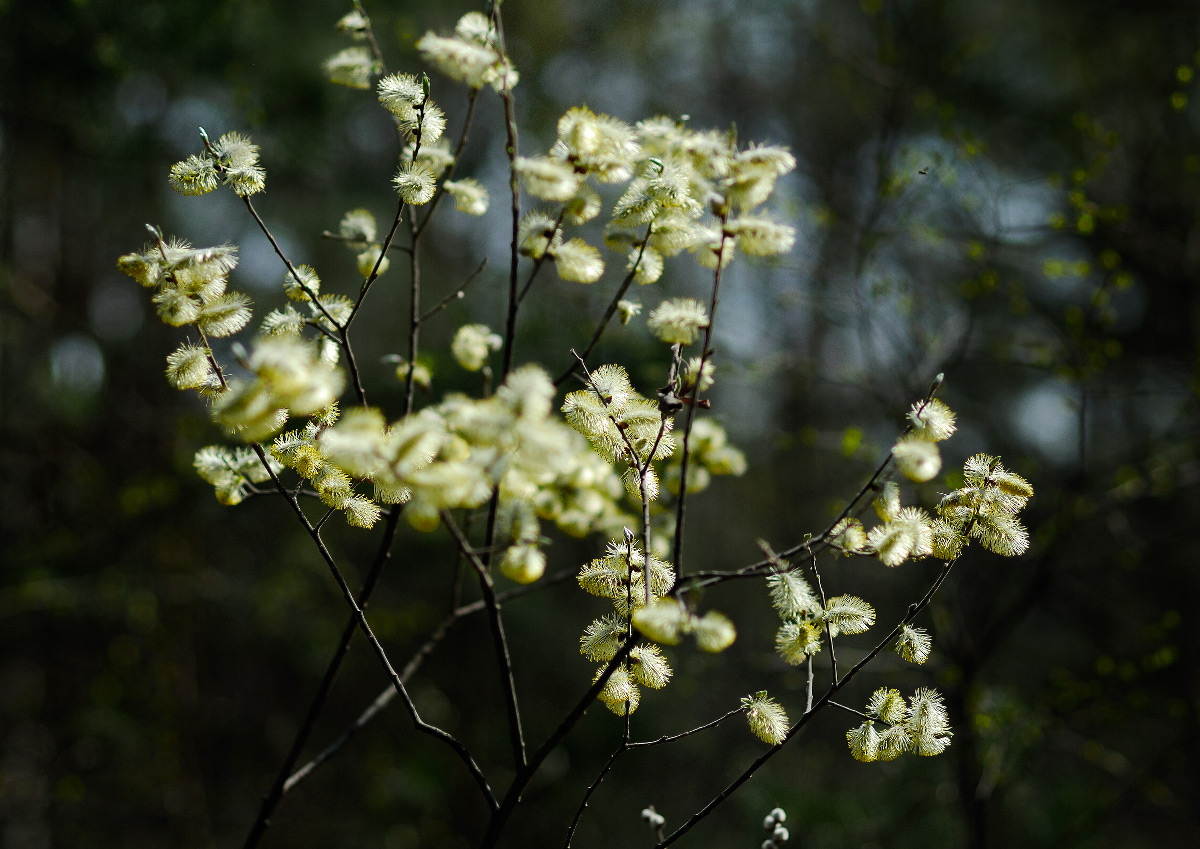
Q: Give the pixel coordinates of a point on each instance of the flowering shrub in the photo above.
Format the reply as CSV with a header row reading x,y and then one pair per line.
x,y
296,418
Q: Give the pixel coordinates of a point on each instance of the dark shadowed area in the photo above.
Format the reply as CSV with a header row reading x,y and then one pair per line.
x,y
1002,192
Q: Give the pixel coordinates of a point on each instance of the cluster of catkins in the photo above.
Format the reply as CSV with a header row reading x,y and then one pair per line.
x,y
684,191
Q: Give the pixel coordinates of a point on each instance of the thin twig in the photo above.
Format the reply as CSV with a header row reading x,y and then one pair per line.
x,y
705,353
457,293
414,266
510,324
622,747
283,781
381,701
212,360
510,126
513,797
640,466
354,240
320,523
292,273
388,694
208,351
642,473
808,692
450,169
370,35
828,628
611,309
633,454
670,738
323,330
812,546
913,610
872,483
503,656
351,363
414,322
541,260
421,725
849,709
385,697
374,275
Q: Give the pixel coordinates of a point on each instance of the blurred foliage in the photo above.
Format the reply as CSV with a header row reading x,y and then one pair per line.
x,y
1003,191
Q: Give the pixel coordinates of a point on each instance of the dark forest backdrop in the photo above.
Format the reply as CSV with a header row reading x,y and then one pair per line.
x,y
1006,192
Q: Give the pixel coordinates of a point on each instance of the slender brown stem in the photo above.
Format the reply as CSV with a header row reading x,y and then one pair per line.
x,y
293,274
610,311
705,353
510,125
424,727
622,747
828,629
640,466
510,324
670,738
282,781
849,709
541,260
513,797
208,351
746,774
354,240
347,349
212,360
323,330
873,483
472,97
374,275
499,641
634,458
370,35
456,294
388,694
414,323
642,473
384,698
808,691
811,545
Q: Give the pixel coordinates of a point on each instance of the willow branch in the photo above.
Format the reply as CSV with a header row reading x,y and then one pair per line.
x,y
456,294
414,321
374,275
610,311
622,747
541,260
282,781
705,353
419,724
499,641
355,240
828,629
913,610
670,738
849,709
510,324
448,174
370,36
513,797
344,340
510,125
388,695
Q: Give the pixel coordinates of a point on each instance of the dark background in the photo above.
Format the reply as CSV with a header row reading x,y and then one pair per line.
x,y
1002,191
